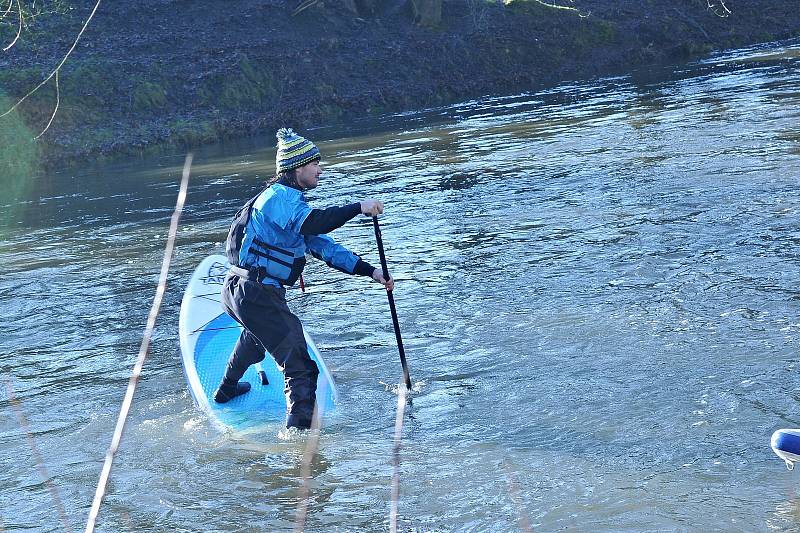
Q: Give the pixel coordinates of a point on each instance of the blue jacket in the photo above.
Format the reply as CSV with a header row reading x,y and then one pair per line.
x,y
272,240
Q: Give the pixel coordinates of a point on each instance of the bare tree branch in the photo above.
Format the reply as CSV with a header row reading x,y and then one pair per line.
x,y
718,7
19,27
144,350
8,9
514,491
23,423
312,447
402,393
58,101
61,64
305,4
555,6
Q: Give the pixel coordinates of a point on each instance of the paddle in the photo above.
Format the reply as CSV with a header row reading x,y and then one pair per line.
x,y
385,268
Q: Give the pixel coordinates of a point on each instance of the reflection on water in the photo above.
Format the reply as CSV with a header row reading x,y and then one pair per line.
x,y
597,286
17,152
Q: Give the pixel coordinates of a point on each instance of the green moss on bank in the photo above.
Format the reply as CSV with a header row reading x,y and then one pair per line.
x,y
250,85
191,80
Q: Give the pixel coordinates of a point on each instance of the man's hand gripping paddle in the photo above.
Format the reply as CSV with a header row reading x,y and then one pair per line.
x,y
385,268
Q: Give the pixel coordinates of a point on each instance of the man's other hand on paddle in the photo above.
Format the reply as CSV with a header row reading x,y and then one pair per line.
x,y
378,276
371,208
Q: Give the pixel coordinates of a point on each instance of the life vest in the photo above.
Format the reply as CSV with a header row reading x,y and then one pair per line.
x,y
265,235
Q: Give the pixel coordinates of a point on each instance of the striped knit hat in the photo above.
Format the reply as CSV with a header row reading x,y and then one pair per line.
x,y
293,151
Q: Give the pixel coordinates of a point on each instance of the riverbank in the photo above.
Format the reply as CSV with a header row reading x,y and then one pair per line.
x,y
169,73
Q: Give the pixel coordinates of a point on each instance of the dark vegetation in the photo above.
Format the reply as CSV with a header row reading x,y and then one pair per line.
x,y
178,73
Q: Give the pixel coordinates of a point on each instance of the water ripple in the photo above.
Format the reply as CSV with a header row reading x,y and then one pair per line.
x,y
597,286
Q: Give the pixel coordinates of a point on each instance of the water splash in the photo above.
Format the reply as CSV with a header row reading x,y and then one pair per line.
x,y
395,388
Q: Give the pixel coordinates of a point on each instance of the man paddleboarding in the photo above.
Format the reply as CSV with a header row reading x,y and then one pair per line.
x,y
266,247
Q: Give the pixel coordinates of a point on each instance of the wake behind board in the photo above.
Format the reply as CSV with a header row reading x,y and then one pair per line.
x,y
208,335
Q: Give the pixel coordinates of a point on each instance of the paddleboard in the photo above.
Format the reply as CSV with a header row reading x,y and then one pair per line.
x,y
207,337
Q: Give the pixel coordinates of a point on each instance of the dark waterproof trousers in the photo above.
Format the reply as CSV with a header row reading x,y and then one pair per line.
x,y
270,326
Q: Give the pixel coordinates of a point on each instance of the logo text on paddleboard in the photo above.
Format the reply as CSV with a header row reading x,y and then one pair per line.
x,y
216,274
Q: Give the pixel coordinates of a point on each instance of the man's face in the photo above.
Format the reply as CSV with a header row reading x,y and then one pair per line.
x,y
307,176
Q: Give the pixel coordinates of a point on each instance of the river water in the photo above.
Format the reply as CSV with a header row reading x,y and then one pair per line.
x,y
597,289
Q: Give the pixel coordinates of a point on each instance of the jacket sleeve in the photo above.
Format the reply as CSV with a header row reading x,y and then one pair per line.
x,y
321,221
337,256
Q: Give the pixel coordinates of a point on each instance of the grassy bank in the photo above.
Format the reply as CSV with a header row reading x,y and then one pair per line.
x,y
174,74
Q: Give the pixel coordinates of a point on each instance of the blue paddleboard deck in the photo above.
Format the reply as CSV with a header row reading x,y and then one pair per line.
x,y
208,336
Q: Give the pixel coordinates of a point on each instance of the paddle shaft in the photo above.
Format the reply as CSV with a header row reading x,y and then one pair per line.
x,y
396,323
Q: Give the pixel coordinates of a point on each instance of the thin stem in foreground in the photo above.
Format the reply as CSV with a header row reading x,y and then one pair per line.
x,y
102,483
